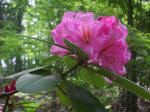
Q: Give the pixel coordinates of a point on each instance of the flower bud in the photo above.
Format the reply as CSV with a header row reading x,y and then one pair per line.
x,y
12,86
7,88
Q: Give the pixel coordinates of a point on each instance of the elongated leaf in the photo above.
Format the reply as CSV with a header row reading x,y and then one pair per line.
x,y
33,83
62,92
76,50
51,59
127,84
132,87
70,61
42,71
83,101
23,72
92,78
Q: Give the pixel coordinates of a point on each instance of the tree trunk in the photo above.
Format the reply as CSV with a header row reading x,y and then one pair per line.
x,y
19,17
130,12
0,13
130,100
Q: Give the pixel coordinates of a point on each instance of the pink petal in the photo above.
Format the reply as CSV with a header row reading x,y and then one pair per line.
x,y
85,18
57,50
68,15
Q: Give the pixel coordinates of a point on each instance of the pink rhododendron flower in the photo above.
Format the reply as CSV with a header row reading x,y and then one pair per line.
x,y
103,39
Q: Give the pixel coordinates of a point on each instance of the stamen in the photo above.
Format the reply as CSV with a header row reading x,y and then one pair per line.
x,y
86,33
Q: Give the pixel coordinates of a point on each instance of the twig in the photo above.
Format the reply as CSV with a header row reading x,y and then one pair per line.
x,y
33,38
34,107
5,94
61,90
70,70
101,71
44,41
6,104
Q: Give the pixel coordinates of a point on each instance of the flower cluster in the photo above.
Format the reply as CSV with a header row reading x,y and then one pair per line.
x,y
103,39
9,88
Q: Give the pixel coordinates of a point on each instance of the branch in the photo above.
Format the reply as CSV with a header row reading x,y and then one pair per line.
x,y
5,94
70,70
44,41
62,90
6,104
100,70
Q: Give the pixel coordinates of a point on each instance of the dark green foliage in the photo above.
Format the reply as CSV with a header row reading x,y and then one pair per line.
x,y
92,78
82,100
29,83
62,93
127,84
70,61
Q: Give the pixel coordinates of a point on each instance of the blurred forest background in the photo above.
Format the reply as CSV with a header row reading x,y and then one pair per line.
x,y
37,17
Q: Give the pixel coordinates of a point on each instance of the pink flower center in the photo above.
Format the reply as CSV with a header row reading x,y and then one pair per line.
x,y
86,33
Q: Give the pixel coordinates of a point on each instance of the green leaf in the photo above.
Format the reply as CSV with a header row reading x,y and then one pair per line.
x,y
92,78
132,87
70,61
62,93
23,72
42,71
51,59
33,83
76,50
83,101
124,82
